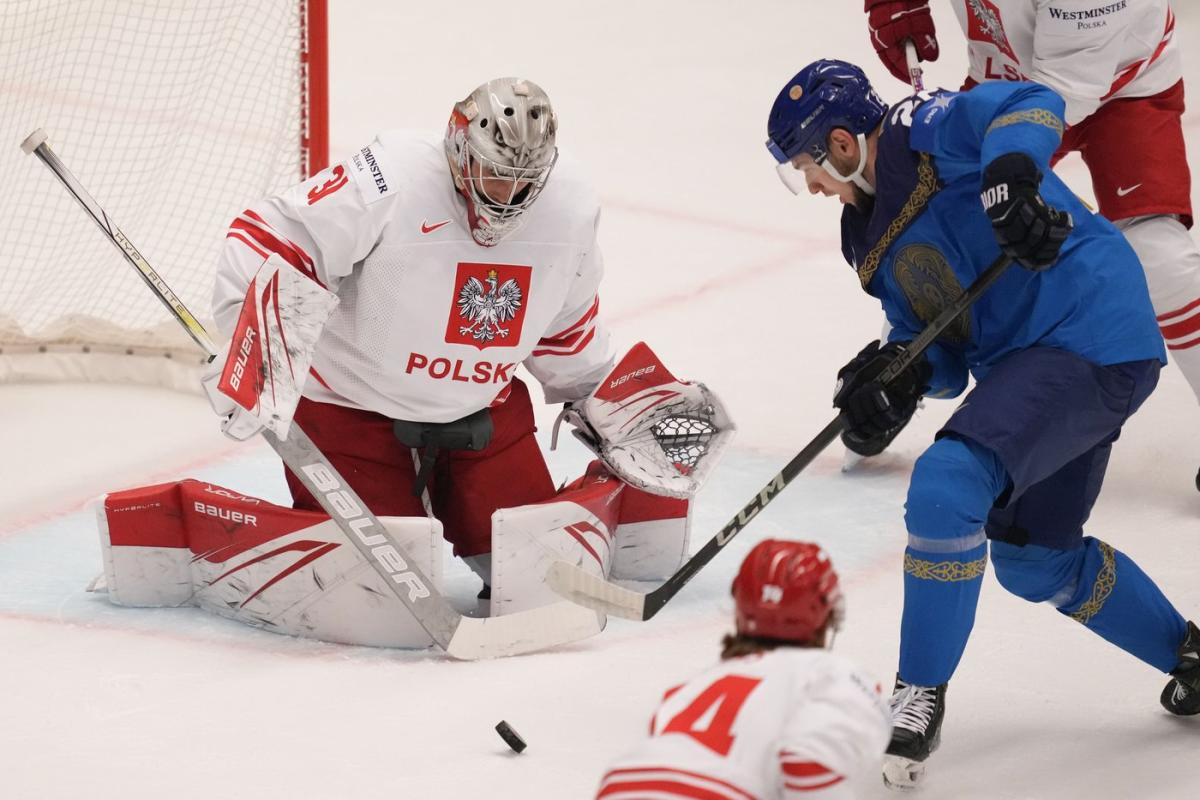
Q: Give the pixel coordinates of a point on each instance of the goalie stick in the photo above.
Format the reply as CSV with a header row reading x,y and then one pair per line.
x,y
596,593
466,638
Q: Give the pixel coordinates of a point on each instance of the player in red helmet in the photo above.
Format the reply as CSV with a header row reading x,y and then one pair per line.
x,y
779,716
787,591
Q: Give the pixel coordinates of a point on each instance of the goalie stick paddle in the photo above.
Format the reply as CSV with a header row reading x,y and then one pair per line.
x,y
465,638
596,593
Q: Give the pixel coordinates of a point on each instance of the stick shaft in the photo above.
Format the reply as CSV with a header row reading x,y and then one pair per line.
x,y
916,76
151,278
657,598
587,590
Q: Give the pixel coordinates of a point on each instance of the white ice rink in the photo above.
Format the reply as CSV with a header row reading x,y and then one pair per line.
x,y
732,281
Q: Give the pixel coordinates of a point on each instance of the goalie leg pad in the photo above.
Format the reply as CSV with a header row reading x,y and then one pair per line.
x,y
291,572
576,526
598,523
652,536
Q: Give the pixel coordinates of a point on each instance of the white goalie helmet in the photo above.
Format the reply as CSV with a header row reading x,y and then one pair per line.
x,y
500,145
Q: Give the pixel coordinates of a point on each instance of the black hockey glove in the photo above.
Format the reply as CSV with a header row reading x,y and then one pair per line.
x,y
870,409
1029,231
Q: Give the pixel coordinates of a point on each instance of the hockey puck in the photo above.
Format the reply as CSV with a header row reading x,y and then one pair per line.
x,y
510,737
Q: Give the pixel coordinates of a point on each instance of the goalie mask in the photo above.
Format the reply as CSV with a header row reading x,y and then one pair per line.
x,y
500,146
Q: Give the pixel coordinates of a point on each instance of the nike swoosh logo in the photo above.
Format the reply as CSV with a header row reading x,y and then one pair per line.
x,y
1122,191
427,228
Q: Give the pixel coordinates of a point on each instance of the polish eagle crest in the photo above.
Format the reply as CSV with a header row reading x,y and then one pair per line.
x,y
486,308
985,20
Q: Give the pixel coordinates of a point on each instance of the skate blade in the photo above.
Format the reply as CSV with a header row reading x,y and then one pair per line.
x,y
850,460
902,773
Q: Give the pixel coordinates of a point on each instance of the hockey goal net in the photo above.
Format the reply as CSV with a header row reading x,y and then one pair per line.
x,y
174,114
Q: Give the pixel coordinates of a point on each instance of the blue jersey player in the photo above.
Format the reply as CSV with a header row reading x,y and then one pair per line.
x,y
1064,347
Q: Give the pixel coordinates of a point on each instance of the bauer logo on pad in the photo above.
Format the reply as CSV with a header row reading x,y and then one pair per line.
x,y
639,370
488,308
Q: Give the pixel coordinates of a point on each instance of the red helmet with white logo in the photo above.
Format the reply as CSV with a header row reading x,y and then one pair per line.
x,y
787,591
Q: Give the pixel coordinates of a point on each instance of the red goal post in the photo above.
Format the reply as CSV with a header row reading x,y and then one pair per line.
x,y
176,114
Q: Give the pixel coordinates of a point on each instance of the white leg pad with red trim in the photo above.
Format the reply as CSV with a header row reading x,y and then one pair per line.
x,y
598,523
575,526
288,571
652,536
292,572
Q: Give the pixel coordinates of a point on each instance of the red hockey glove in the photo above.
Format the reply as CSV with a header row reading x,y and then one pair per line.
x,y
893,21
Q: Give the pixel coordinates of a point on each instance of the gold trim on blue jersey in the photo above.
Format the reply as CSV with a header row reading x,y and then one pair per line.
x,y
913,206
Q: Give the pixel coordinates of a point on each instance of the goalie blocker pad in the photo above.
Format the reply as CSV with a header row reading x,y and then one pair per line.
x,y
293,572
271,350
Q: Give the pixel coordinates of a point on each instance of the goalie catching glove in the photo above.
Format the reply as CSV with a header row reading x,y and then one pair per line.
x,y
256,381
654,431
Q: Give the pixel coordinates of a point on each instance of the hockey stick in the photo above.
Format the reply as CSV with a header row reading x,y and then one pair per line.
x,y
594,592
466,638
916,75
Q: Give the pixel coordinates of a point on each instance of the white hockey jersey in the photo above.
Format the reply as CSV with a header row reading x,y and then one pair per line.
x,y
790,723
430,326
1089,51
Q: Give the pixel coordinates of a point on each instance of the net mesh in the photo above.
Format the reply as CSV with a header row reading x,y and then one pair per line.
x,y
174,114
684,439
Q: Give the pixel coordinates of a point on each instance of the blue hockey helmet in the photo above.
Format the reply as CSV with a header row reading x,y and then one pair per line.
x,y
826,94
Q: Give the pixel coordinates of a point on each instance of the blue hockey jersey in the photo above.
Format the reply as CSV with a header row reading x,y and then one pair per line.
x,y
927,237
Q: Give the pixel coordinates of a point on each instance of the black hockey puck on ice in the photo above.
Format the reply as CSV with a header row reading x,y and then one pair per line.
x,y
510,736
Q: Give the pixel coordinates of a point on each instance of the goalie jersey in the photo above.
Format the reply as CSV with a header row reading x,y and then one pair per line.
x,y
430,326
790,723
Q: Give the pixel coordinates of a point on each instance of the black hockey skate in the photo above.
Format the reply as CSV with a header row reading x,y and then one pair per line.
x,y
917,713
867,446
1181,695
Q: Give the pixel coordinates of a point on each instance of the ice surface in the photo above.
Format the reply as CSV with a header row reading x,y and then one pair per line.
x,y
732,281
